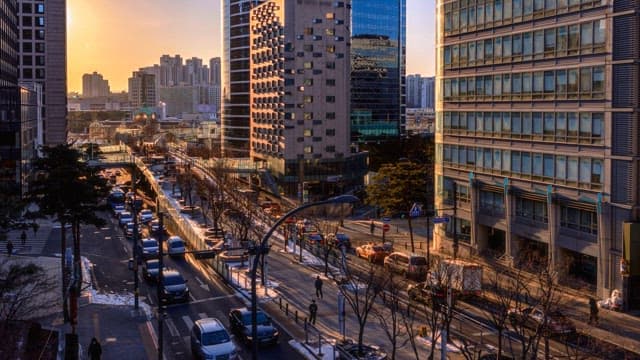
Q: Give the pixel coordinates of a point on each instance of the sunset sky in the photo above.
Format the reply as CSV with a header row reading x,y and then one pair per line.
x,y
116,37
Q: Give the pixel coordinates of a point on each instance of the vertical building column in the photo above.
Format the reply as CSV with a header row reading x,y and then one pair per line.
x,y
473,205
604,255
552,226
508,209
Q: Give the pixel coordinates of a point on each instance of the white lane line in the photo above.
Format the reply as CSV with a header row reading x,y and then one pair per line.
x,y
187,339
173,330
193,299
213,298
187,320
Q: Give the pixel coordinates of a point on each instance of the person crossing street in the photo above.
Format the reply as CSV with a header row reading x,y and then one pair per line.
x,y
9,248
313,310
318,285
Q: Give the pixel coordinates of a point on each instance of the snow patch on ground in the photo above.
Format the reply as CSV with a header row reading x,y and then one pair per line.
x,y
452,346
327,351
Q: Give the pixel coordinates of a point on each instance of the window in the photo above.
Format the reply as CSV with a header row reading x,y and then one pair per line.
x,y
331,82
331,49
599,32
308,132
331,115
329,16
330,132
308,31
574,38
572,169
598,81
585,80
579,220
331,65
308,149
307,99
538,42
586,35
549,82
330,99
527,44
330,31
572,82
308,47
308,65
537,165
561,83
330,148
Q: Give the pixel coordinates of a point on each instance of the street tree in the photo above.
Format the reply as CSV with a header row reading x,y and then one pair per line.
x,y
393,315
66,189
361,290
396,187
14,211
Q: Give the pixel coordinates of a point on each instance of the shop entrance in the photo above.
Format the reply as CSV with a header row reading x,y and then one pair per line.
x,y
581,270
532,255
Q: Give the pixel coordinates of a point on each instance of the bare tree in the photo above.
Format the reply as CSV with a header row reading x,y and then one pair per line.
x,y
23,290
391,316
361,291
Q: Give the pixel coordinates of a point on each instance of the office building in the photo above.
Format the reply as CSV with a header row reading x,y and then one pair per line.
x,y
537,136
420,92
42,28
299,96
377,69
235,79
142,90
94,85
428,93
215,80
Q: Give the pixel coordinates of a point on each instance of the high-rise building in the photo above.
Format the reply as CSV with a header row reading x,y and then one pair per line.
x,y
428,93
378,30
414,90
215,71
299,95
142,90
43,59
537,136
94,85
235,80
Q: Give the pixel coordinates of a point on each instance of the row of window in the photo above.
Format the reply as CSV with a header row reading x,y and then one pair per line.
x,y
575,83
309,115
469,15
32,20
561,169
582,127
28,8
585,38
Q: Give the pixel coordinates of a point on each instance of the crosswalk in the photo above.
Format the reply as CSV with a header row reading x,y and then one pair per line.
x,y
34,243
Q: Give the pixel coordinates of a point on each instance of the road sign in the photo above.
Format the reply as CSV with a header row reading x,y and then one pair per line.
x,y
386,220
416,210
385,227
440,220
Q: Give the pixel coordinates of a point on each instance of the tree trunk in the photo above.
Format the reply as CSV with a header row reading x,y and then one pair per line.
x,y
413,249
360,338
65,278
499,343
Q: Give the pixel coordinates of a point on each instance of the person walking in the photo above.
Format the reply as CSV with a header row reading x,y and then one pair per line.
x,y
313,310
372,227
95,350
318,287
23,238
593,311
9,248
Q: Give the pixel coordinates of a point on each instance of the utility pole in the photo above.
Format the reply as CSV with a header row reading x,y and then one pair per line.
x,y
455,230
134,210
160,236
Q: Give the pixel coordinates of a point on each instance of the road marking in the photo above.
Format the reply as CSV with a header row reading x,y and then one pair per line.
x,y
202,284
193,299
187,320
125,250
202,315
213,298
107,237
187,339
149,299
172,327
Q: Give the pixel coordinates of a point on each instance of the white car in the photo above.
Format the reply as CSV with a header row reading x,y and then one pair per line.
x,y
210,340
175,246
118,209
125,217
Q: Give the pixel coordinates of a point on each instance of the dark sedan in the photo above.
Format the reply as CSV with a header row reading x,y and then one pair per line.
x,y
150,269
174,287
240,322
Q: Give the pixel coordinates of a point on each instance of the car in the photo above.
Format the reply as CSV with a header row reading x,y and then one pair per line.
x,y
149,248
150,269
125,217
412,266
174,287
426,292
145,216
129,231
175,246
240,323
342,239
557,323
118,209
210,340
373,253
154,226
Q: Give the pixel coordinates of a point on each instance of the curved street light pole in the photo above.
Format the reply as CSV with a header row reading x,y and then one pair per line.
x,y
262,250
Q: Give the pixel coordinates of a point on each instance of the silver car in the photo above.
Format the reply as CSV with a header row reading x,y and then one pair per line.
x,y
175,246
210,340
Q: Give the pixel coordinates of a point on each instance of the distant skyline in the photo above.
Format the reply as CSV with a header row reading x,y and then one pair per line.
x,y
117,37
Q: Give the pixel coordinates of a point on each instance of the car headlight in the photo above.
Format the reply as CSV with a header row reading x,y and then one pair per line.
x,y
276,333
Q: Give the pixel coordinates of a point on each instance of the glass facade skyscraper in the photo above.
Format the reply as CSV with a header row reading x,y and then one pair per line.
x,y
536,140
378,34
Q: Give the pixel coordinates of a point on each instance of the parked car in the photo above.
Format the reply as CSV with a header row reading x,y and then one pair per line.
x,y
151,268
373,253
240,323
210,340
129,231
410,265
118,209
125,217
145,216
557,323
149,248
342,239
426,292
154,226
175,246
174,287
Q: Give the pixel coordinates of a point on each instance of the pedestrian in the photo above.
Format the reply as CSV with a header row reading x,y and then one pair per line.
x,y
95,350
313,310
9,248
593,311
23,238
318,287
372,227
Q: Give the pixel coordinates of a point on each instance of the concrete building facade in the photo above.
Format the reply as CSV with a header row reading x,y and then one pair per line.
x,y
142,90
537,136
94,85
299,95
43,59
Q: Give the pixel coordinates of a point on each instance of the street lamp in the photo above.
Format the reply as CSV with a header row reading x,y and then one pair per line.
x,y
263,248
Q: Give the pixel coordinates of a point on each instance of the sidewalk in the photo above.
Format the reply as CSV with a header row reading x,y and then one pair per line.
x,y
620,329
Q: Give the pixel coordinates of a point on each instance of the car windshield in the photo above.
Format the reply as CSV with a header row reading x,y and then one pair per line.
x,y
215,337
174,279
418,261
176,244
149,243
153,264
261,317
378,248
